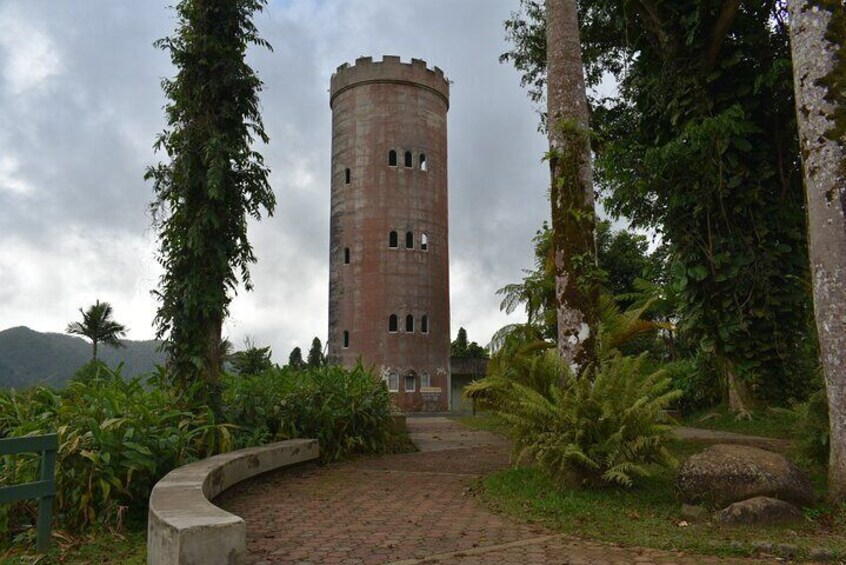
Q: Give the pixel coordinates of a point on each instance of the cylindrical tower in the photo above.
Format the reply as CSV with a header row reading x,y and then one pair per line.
x,y
389,257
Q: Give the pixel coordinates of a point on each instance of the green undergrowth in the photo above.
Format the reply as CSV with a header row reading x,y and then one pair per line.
x,y
648,515
118,438
128,547
765,422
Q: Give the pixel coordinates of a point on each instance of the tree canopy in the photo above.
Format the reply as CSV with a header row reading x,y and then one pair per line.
x,y
699,144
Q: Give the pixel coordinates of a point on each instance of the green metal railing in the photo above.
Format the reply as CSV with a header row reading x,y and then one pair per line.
x,y
44,489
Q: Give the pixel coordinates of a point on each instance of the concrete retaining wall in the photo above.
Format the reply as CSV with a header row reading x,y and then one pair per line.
x,y
185,528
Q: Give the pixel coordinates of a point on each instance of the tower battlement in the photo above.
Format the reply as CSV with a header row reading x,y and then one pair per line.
x,y
390,70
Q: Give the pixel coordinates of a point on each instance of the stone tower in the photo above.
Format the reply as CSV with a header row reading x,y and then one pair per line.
x,y
389,256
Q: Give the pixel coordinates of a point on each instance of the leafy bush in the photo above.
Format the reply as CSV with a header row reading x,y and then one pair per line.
x,y
591,431
348,411
118,438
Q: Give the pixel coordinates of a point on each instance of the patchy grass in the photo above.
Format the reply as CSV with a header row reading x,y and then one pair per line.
x,y
649,514
484,421
102,547
766,422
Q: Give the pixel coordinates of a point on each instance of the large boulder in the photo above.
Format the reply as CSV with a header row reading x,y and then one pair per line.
x,y
723,474
759,510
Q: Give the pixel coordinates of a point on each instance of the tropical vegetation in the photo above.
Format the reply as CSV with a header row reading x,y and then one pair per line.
x,y
118,437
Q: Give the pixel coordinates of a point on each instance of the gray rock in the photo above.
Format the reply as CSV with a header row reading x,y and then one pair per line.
x,y
724,474
759,510
822,554
694,513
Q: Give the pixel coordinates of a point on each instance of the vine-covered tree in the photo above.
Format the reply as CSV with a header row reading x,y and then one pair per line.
x,y
700,145
818,37
316,358
98,326
212,183
571,193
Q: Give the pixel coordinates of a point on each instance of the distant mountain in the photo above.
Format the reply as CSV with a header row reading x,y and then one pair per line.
x,y
29,357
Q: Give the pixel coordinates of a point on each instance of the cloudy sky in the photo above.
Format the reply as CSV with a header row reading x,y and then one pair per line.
x,y
81,103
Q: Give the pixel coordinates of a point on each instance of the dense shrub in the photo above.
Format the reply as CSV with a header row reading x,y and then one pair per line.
x,y
604,427
117,438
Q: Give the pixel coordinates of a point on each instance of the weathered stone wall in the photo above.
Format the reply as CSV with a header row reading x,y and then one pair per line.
x,y
378,107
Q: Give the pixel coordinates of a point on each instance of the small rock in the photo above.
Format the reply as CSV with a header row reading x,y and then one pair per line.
x,y
759,510
763,546
694,513
787,550
821,554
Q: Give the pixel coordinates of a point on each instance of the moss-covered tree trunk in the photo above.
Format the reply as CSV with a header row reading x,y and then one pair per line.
x,y
818,32
571,192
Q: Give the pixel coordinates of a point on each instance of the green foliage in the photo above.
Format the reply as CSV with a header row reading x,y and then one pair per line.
x,y
212,184
622,257
599,428
316,358
98,326
118,438
461,348
700,145
252,361
295,359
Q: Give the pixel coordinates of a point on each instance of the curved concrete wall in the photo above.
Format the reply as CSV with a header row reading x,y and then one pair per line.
x,y
184,527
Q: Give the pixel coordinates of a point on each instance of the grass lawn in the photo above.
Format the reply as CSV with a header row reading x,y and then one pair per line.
x,y
649,514
766,422
108,548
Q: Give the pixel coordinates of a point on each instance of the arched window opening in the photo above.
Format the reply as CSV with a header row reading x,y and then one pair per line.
x,y
424,166
393,382
409,323
409,240
346,255
424,242
424,324
393,239
425,381
410,382
392,158
392,323
408,159
346,339
347,176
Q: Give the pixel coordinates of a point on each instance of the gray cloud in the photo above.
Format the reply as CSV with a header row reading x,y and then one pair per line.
x,y
80,105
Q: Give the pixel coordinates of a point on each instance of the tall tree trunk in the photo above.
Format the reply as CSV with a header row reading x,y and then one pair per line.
x,y
93,349
571,194
821,111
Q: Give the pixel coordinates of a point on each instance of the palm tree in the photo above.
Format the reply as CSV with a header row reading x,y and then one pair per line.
x,y
98,326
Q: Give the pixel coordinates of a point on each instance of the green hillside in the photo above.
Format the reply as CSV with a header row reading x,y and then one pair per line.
x,y
28,357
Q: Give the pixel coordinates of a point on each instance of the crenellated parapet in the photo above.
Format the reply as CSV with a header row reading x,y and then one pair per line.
x,y
390,70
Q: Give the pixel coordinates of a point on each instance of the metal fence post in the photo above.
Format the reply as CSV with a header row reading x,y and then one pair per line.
x,y
44,489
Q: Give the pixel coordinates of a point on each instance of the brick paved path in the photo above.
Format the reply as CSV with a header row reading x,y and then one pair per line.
x,y
411,508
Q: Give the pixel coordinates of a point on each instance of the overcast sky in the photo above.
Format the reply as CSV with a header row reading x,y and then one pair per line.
x,y
81,104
